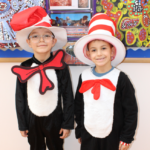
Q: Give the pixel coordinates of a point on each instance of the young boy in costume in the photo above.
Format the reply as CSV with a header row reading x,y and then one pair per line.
x,y
105,103
42,81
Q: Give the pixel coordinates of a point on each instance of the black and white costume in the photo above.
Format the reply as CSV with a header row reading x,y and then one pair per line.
x,y
43,115
103,123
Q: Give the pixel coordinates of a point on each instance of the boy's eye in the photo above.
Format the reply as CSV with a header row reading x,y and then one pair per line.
x,y
103,48
47,35
34,36
93,50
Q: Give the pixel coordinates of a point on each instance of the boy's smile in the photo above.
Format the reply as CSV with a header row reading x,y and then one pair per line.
x,y
100,52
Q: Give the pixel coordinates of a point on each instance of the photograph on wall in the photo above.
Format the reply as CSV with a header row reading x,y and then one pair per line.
x,y
132,18
83,3
60,2
76,24
69,4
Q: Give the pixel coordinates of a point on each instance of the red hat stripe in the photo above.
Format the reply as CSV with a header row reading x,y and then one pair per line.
x,y
45,24
102,16
102,27
103,22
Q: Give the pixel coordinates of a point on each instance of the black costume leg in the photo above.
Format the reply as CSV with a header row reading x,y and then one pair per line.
x,y
53,140
88,142
36,137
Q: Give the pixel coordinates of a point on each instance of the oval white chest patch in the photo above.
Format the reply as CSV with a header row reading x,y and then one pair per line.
x,y
98,114
42,105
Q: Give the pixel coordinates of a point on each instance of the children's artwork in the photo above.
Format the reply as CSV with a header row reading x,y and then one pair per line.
x,y
8,46
76,24
132,18
68,4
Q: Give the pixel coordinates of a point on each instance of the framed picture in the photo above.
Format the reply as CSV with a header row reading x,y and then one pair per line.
x,y
133,26
76,24
68,4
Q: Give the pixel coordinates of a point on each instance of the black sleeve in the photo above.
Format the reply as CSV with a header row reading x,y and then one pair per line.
x,y
78,109
68,100
130,110
21,105
21,100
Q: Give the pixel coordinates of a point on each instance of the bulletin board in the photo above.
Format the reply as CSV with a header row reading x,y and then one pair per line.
x,y
132,18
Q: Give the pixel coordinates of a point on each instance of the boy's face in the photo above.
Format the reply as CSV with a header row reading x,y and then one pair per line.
x,y
100,52
43,45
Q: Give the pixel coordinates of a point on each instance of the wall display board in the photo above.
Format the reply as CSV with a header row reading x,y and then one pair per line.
x,y
133,25
132,18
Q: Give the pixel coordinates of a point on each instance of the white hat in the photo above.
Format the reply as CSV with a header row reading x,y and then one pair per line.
x,y
101,27
35,17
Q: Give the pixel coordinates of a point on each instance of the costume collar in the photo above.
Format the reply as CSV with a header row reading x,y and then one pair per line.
x,y
38,62
100,74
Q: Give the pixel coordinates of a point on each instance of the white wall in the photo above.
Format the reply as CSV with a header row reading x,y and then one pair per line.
x,y
10,138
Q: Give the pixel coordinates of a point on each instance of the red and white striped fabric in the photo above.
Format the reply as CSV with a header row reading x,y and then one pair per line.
x,y
102,24
29,19
101,27
123,143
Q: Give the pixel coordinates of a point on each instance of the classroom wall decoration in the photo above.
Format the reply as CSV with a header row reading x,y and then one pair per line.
x,y
9,48
132,18
76,24
68,4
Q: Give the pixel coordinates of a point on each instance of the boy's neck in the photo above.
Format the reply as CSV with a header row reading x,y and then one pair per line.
x,y
100,69
42,57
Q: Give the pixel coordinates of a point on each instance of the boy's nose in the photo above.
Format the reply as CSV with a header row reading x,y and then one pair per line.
x,y
41,38
99,52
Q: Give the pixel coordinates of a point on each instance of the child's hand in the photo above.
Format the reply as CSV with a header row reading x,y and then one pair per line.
x,y
79,140
65,133
24,133
123,147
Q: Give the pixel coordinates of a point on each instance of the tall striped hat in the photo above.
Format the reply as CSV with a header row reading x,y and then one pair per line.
x,y
35,17
101,27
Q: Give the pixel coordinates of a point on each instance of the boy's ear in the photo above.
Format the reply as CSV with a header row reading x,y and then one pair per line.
x,y
28,41
88,53
113,51
54,42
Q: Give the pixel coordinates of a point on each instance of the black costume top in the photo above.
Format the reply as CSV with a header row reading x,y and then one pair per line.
x,y
30,104
113,116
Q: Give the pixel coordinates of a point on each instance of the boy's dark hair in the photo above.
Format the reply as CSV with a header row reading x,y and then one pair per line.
x,y
101,40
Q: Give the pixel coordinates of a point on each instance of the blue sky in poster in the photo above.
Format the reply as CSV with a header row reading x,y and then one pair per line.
x,y
76,16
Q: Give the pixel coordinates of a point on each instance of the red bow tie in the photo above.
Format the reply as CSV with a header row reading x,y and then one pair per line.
x,y
24,73
86,85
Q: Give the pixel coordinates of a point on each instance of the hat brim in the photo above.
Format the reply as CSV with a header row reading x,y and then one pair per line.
x,y
60,35
82,42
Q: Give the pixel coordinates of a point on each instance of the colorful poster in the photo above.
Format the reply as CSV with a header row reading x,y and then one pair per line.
x,y
132,18
7,9
76,24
